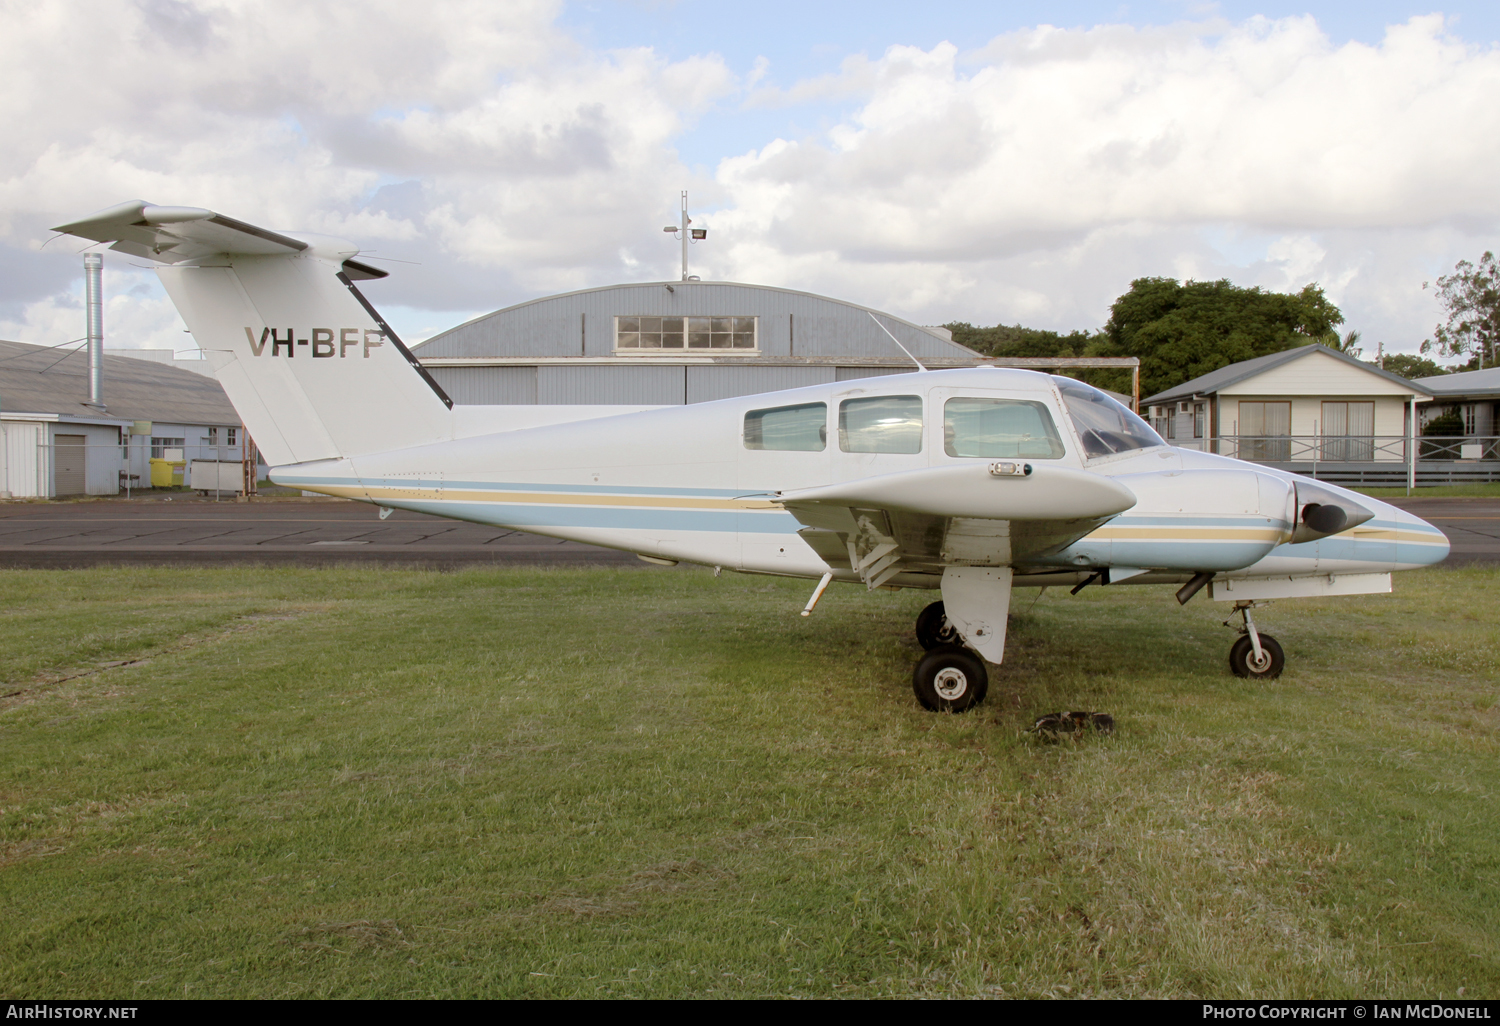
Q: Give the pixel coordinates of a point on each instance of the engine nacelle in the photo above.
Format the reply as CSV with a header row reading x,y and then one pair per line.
x,y
1191,520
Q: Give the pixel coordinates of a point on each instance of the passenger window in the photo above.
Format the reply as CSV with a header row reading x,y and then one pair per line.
x,y
887,423
1011,428
801,428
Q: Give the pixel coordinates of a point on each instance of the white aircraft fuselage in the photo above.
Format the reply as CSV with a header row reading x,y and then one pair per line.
x,y
678,483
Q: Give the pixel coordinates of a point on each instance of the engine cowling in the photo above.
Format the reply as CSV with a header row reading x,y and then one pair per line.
x,y
1191,521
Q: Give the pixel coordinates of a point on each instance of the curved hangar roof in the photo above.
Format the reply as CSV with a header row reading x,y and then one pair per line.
x,y
673,342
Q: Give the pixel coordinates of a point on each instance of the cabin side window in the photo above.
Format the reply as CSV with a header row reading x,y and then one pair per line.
x,y
801,428
1012,428
885,423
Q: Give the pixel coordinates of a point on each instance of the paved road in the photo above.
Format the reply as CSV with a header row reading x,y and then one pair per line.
x,y
308,531
311,531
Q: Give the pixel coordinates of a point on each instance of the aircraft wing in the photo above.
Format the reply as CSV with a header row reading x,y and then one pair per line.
x,y
171,235
979,514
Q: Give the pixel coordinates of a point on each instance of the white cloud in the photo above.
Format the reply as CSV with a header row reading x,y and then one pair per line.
x,y
1109,149
470,137
1028,181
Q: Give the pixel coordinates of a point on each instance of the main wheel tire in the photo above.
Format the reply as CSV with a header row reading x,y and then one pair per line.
x,y
1242,658
950,678
933,628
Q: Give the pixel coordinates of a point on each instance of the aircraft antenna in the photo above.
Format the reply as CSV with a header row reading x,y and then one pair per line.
x,y
896,340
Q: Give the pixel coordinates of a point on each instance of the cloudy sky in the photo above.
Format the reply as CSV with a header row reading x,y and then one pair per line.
x,y
977,161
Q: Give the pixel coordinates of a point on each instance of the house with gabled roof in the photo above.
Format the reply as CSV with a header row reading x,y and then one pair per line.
x,y
1310,410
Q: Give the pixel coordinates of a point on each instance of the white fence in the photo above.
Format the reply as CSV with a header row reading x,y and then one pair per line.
x,y
1390,460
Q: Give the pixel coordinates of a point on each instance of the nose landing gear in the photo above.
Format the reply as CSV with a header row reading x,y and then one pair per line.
x,y
1255,654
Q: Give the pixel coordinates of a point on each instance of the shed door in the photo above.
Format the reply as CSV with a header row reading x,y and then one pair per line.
x,y
68,471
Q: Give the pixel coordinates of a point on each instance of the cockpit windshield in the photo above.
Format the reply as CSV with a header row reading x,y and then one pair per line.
x,y
1105,426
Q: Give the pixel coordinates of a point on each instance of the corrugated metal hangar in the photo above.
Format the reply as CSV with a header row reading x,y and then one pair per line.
x,y
668,343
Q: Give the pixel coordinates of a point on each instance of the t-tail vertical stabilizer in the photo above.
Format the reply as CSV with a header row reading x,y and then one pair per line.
x,y
311,367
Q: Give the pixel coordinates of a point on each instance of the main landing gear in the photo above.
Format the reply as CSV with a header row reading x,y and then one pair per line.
x,y
1255,654
949,678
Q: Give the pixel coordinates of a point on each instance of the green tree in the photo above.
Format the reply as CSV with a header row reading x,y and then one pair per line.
x,y
1017,341
1180,330
1410,366
1471,295
1004,340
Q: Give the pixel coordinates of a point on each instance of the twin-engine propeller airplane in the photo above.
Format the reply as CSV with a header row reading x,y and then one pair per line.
x,y
968,482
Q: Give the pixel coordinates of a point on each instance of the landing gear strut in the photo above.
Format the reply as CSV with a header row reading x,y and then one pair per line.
x,y
1254,655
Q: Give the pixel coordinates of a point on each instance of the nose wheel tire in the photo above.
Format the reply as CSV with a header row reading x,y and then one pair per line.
x,y
933,628
1244,664
950,678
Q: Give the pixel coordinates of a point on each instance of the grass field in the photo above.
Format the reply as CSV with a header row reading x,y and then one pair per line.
x,y
369,782
1478,490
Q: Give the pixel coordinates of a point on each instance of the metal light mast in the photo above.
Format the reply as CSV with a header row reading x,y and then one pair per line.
x,y
93,302
688,235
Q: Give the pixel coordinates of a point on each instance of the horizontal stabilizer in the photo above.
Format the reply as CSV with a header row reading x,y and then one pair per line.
x,y
171,235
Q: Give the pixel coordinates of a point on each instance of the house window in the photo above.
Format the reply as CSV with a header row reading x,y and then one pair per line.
x,y
1200,420
159,445
213,436
1161,420
1263,431
659,334
1348,431
230,432
1470,420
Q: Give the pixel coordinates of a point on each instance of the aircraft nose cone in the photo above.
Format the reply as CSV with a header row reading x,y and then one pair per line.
x,y
1418,543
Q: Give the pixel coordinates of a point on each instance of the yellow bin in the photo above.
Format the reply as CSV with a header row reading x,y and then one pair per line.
x,y
167,473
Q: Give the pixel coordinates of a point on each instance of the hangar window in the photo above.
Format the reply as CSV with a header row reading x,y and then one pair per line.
x,y
801,428
655,334
883,423
1000,427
